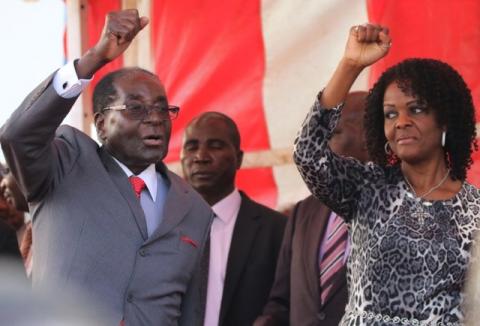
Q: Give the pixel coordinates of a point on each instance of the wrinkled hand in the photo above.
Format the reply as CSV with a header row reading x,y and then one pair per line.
x,y
120,29
367,44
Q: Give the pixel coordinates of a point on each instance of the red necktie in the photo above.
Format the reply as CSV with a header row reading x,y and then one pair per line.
x,y
137,184
332,260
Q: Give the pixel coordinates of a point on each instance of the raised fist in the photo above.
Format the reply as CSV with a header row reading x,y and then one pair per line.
x,y
120,29
367,44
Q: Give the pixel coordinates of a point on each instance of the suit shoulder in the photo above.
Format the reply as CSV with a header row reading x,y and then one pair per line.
x,y
72,133
181,185
311,202
310,207
268,214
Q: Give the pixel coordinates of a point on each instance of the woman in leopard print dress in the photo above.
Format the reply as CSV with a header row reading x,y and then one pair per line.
x,y
411,214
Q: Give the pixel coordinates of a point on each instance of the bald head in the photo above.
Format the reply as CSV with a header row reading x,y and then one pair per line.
x,y
225,119
348,138
211,155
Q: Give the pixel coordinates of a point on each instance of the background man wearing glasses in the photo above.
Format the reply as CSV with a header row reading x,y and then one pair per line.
x,y
132,246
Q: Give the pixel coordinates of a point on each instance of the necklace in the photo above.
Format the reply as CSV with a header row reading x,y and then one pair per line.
x,y
420,212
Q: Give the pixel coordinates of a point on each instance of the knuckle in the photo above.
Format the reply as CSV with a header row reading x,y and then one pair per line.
x,y
132,12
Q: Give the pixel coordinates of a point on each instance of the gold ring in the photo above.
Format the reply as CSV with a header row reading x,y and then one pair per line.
x,y
387,45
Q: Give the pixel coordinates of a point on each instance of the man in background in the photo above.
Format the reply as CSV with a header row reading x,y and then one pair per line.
x,y
245,236
8,242
10,222
310,283
15,199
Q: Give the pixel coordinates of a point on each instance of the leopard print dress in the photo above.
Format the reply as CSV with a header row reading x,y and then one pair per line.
x,y
403,268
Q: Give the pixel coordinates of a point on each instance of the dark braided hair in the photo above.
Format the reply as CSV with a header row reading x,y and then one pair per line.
x,y
443,90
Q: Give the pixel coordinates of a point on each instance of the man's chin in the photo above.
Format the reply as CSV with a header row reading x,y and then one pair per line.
x,y
203,187
154,156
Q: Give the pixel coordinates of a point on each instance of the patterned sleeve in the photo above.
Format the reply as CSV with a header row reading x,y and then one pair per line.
x,y
335,180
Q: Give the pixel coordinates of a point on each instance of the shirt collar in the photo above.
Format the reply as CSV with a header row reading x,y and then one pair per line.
x,y
227,208
26,217
149,176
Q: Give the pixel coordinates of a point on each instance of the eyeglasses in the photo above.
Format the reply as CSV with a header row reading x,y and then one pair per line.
x,y
139,111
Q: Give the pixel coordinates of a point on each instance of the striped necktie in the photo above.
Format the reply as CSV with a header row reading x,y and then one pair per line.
x,y
332,260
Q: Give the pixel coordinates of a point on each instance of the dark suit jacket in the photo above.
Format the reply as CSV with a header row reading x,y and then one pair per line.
x,y
256,241
89,228
8,242
295,296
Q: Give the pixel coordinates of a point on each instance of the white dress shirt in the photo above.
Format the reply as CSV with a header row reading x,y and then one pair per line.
x,y
153,211
66,82
226,211
149,176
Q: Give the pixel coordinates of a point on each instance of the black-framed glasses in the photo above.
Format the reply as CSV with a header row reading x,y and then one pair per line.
x,y
140,111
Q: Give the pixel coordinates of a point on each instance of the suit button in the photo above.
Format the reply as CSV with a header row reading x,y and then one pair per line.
x,y
129,298
142,252
321,316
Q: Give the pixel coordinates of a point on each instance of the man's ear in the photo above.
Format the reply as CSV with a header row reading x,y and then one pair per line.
x,y
99,121
240,159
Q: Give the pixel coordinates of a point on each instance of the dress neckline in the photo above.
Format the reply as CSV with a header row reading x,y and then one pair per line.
x,y
429,202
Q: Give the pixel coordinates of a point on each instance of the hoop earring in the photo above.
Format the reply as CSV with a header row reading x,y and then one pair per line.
x,y
444,138
388,150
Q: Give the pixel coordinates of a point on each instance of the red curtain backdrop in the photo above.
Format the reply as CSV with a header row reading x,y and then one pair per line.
x,y
210,56
439,29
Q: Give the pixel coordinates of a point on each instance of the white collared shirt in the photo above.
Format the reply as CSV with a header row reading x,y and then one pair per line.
x,y
221,232
152,198
149,176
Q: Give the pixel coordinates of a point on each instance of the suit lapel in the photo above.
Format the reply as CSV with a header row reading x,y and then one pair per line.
x,y
244,233
177,204
125,189
315,225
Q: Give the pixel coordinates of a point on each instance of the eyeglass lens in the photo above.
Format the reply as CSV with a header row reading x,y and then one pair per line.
x,y
139,111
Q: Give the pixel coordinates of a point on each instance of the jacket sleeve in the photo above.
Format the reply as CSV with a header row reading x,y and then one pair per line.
x,y
277,310
337,181
28,140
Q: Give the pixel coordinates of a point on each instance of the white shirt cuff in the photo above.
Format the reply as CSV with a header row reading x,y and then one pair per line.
x,y
66,82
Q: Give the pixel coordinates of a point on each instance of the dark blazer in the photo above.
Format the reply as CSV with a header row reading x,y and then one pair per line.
x,y
8,242
89,229
256,241
295,296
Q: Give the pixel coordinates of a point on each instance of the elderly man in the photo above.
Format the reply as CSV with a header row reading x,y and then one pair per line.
x,y
245,236
111,221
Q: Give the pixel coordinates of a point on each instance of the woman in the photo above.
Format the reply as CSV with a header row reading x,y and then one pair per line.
x,y
411,214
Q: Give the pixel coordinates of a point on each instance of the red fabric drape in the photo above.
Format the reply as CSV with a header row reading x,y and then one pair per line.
x,y
210,56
